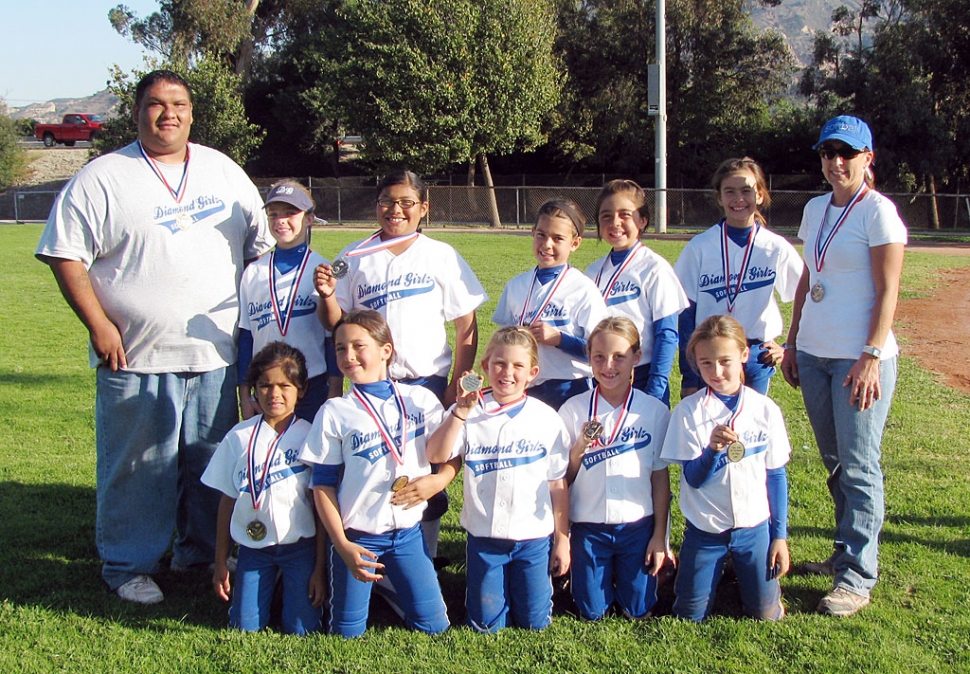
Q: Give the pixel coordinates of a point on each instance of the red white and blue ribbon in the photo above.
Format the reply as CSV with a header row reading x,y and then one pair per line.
x,y
367,246
822,247
283,316
396,448
619,270
506,408
180,190
257,487
538,314
620,421
726,263
734,415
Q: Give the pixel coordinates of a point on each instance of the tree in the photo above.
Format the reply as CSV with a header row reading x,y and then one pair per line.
x,y
13,158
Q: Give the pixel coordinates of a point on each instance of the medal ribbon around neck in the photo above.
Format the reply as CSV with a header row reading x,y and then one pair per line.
x,y
726,262
256,490
619,270
502,408
525,307
283,321
396,450
621,420
821,248
365,247
734,415
179,192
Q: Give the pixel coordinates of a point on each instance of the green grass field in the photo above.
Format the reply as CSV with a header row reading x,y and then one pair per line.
x,y
57,615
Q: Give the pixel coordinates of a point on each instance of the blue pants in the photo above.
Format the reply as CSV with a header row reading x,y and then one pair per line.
x,y
608,565
317,389
850,444
505,576
702,557
554,392
409,568
255,580
641,379
155,436
757,375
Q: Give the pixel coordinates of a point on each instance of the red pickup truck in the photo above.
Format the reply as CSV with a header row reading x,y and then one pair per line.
x,y
76,126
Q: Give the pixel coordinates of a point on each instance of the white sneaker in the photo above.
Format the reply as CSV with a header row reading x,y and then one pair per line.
x,y
141,590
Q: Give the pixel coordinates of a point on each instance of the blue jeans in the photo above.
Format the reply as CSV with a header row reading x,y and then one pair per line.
x,y
255,581
608,563
701,565
155,436
849,442
408,567
505,576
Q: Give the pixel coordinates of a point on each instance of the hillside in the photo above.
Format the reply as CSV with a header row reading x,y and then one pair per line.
x,y
103,103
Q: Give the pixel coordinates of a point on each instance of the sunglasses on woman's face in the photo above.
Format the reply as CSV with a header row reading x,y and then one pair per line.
x,y
830,153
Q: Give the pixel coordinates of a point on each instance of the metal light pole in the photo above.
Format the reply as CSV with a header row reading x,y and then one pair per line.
x,y
660,216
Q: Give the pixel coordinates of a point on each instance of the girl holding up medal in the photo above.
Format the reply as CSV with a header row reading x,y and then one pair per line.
x,y
371,481
735,268
732,446
278,301
516,509
845,359
265,505
556,303
637,283
619,494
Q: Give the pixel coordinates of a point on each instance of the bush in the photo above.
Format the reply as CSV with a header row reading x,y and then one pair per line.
x,y
13,157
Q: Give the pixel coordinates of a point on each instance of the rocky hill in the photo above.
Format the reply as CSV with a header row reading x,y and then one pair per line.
x,y
103,103
798,20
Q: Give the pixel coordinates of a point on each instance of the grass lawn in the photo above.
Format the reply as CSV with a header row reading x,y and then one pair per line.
x,y
57,615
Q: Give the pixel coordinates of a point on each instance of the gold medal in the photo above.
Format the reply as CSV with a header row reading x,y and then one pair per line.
x,y
592,430
818,291
339,268
735,451
256,530
183,220
399,484
471,382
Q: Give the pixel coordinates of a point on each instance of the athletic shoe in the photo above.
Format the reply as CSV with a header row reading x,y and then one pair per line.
x,y
842,603
826,568
141,590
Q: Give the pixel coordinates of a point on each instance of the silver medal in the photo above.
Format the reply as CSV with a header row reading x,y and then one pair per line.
x,y
471,382
818,291
339,268
183,220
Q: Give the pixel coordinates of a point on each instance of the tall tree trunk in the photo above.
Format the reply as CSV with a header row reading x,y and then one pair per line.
x,y
492,201
934,205
246,49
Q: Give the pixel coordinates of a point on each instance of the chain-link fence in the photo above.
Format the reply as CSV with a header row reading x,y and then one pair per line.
x,y
349,201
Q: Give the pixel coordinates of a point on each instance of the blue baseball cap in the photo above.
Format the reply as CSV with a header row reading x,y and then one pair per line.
x,y
850,130
288,194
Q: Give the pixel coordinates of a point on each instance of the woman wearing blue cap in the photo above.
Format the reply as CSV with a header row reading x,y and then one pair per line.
x,y
842,352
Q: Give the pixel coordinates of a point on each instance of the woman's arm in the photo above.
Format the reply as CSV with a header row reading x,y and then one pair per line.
x,y
220,570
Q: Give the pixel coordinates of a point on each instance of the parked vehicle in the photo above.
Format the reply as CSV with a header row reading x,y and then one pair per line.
x,y
74,127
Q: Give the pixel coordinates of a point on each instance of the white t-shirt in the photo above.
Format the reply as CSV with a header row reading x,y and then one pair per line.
x,y
510,456
417,292
645,290
303,330
613,483
838,326
172,292
773,266
285,502
736,496
575,309
344,434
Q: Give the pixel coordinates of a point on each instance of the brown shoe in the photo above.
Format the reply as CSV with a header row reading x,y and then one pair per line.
x,y
842,603
826,568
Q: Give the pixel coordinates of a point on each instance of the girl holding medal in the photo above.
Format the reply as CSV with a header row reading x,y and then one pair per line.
x,y
265,505
278,301
735,268
516,509
845,359
732,446
637,283
556,303
619,494
371,481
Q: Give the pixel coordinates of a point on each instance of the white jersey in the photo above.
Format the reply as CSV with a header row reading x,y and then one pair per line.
x,y
838,325
643,288
345,434
417,292
285,503
166,272
573,306
613,483
772,265
510,456
296,299
736,496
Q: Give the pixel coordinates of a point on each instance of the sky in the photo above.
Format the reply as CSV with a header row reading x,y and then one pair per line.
x,y
62,48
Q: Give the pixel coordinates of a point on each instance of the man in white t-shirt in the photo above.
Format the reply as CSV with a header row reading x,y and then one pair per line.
x,y
147,245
